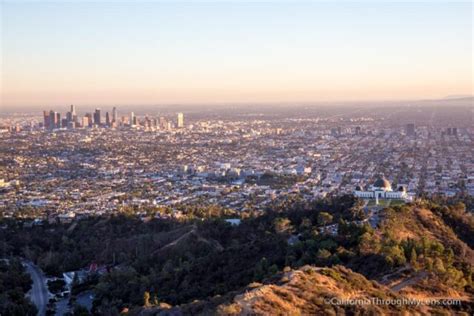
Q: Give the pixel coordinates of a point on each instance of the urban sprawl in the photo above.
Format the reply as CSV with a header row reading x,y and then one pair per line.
x,y
58,167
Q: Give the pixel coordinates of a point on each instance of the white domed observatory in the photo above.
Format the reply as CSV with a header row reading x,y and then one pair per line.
x,y
381,189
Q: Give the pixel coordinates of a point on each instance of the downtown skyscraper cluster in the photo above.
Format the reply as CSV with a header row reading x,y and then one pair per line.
x,y
53,120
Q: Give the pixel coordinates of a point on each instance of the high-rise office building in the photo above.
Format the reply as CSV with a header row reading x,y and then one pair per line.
x,y
71,125
410,129
180,120
47,120
58,120
133,119
74,114
97,117
147,122
52,119
107,119
85,121
114,115
89,120
162,122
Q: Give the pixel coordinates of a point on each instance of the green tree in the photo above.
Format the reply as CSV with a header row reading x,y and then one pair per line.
x,y
369,244
394,255
146,299
324,218
282,225
439,266
80,310
305,223
323,254
413,259
155,300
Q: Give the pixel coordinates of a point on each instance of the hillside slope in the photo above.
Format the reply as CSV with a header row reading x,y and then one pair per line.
x,y
414,254
439,264
421,251
313,291
321,291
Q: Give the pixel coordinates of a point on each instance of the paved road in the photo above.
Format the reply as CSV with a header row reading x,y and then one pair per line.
x,y
39,292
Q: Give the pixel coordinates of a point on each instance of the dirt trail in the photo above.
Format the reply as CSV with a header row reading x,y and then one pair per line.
x,y
193,231
411,280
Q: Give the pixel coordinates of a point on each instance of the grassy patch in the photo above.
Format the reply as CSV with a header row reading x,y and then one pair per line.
x,y
382,203
397,202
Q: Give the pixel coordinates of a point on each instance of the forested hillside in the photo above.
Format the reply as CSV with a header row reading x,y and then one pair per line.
x,y
14,284
196,264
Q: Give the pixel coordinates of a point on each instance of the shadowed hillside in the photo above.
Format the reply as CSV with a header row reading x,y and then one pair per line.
x,y
289,257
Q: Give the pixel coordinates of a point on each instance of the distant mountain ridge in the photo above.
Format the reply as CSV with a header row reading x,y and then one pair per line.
x,y
459,96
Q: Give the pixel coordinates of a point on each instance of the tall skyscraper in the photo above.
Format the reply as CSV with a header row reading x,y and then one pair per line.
x,y
52,119
147,122
114,115
162,122
410,129
180,120
73,116
71,125
85,121
57,120
47,120
107,119
133,119
89,120
97,117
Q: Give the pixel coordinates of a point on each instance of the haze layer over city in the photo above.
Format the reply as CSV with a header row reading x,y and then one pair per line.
x,y
226,158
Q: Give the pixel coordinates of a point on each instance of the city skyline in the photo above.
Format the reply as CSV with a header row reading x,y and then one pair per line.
x,y
54,120
109,54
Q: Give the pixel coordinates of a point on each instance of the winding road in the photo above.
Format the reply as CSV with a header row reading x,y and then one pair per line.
x,y
38,294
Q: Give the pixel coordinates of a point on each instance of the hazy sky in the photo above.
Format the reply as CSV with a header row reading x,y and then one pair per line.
x,y
103,53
